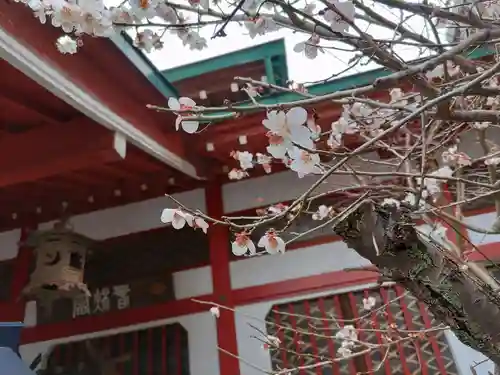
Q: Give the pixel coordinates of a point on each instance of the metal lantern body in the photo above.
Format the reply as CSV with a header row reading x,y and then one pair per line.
x,y
60,262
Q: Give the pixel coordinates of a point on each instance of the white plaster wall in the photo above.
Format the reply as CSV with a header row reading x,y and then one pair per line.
x,y
193,282
285,186
202,337
130,218
308,261
484,221
9,244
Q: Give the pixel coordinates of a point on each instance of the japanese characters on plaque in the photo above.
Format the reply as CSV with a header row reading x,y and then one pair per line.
x,y
102,300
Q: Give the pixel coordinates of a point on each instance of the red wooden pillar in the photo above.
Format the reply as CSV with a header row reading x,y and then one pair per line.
x,y
219,242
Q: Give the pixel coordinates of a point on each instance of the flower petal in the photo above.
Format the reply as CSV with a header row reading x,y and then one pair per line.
x,y
178,121
251,247
188,102
167,215
299,47
178,222
201,223
188,217
301,135
174,104
263,242
237,249
296,116
190,127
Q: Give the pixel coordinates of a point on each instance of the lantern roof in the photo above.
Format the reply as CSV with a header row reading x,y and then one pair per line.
x,y
37,237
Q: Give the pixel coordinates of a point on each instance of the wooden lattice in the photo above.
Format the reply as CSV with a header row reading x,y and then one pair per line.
x,y
429,356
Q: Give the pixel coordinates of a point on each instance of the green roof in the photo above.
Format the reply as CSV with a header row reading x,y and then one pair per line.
x,y
340,84
273,55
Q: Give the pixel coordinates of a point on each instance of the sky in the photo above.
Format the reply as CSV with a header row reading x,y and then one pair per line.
x,y
301,69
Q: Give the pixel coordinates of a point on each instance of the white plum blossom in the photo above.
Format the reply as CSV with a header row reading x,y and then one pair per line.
x,y
167,13
411,199
278,146
347,334
290,126
439,231
199,222
143,9
453,157
260,25
343,126
147,40
176,217
337,22
265,161
192,39
67,45
310,47
433,185
237,174
369,303
277,208
272,243
344,351
493,160
309,8
245,158
304,162
397,96
273,340
242,244
205,4
182,104
215,311
359,110
322,212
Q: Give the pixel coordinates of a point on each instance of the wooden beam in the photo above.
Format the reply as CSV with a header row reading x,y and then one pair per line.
x,y
53,150
98,81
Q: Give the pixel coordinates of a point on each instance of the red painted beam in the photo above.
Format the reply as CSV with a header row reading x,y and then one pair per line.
x,y
53,150
103,71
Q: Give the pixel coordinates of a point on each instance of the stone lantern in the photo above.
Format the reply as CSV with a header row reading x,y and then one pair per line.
x,y
59,264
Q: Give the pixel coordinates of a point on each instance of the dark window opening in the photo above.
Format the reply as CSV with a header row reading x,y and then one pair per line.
x,y
154,351
76,260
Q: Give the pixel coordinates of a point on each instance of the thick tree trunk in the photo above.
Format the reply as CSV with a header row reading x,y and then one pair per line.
x,y
387,237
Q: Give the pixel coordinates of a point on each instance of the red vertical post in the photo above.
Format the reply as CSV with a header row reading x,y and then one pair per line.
x,y
21,276
219,241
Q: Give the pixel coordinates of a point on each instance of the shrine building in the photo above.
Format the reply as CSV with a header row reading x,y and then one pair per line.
x,y
80,144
